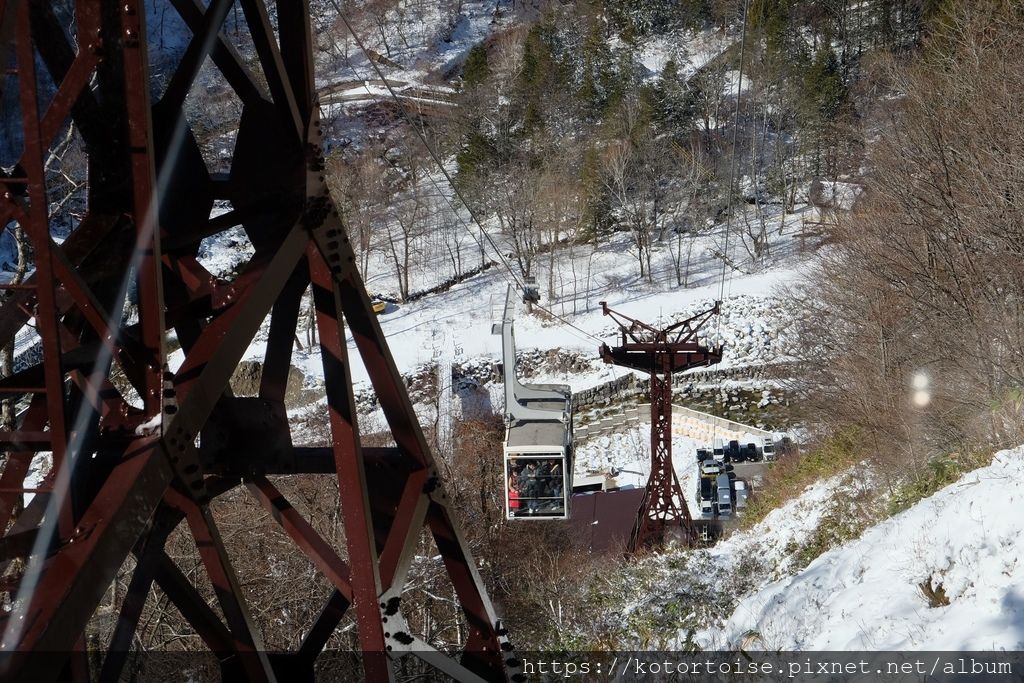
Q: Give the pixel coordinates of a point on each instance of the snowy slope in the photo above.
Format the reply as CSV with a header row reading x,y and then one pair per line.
x,y
968,538
692,593
754,327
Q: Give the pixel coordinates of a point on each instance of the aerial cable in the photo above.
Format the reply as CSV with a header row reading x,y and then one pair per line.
x,y
732,189
732,170
437,160
430,150
588,336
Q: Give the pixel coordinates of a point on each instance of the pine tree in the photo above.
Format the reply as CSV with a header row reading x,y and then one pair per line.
x,y
824,86
539,69
673,110
596,203
476,69
598,76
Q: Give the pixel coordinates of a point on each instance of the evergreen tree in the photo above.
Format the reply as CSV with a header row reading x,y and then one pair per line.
x,y
823,85
597,219
477,156
673,110
537,74
598,77
476,69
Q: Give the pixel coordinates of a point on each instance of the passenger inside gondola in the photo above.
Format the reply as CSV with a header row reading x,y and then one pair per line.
x,y
557,482
529,487
513,487
535,487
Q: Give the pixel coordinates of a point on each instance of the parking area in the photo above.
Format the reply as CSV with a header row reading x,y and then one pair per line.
x,y
752,472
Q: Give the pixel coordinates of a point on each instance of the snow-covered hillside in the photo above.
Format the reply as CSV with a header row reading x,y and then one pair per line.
x,y
963,546
945,574
753,326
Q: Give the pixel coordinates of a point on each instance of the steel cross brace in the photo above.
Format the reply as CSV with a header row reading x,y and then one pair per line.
x,y
154,468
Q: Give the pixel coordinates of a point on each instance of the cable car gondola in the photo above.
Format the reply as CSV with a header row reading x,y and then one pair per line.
x,y
538,437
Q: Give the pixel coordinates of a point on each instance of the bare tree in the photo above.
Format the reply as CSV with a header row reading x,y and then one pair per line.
x,y
517,190
924,277
628,183
361,186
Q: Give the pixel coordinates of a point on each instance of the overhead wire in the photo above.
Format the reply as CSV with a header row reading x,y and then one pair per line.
x,y
451,182
733,164
423,139
732,186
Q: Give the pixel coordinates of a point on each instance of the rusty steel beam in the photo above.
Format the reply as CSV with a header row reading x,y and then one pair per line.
x,y
205,35
65,588
148,552
179,589
263,39
348,461
330,616
37,228
146,255
305,536
246,639
224,55
134,473
283,324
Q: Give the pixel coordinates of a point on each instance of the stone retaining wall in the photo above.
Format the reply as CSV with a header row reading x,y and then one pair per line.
x,y
685,422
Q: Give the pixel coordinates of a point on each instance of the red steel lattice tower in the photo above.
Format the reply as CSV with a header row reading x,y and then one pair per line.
x,y
661,352
133,459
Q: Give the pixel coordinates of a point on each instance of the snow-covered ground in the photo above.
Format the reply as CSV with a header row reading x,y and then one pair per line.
x,y
965,543
752,325
629,453
967,539
690,51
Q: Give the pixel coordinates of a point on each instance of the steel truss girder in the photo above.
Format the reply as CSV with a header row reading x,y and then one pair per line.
x,y
126,473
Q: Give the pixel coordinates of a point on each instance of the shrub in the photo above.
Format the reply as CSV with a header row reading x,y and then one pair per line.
x,y
792,474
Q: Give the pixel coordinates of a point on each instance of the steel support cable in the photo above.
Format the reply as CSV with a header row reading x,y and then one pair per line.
x,y
437,160
732,169
732,186
419,134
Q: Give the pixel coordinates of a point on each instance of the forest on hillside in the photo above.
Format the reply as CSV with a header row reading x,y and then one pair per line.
x,y
562,134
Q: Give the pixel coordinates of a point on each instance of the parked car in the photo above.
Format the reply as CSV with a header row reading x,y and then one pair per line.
x,y
724,497
742,493
710,468
706,498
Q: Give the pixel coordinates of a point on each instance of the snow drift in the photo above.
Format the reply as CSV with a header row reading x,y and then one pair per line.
x,y
962,545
